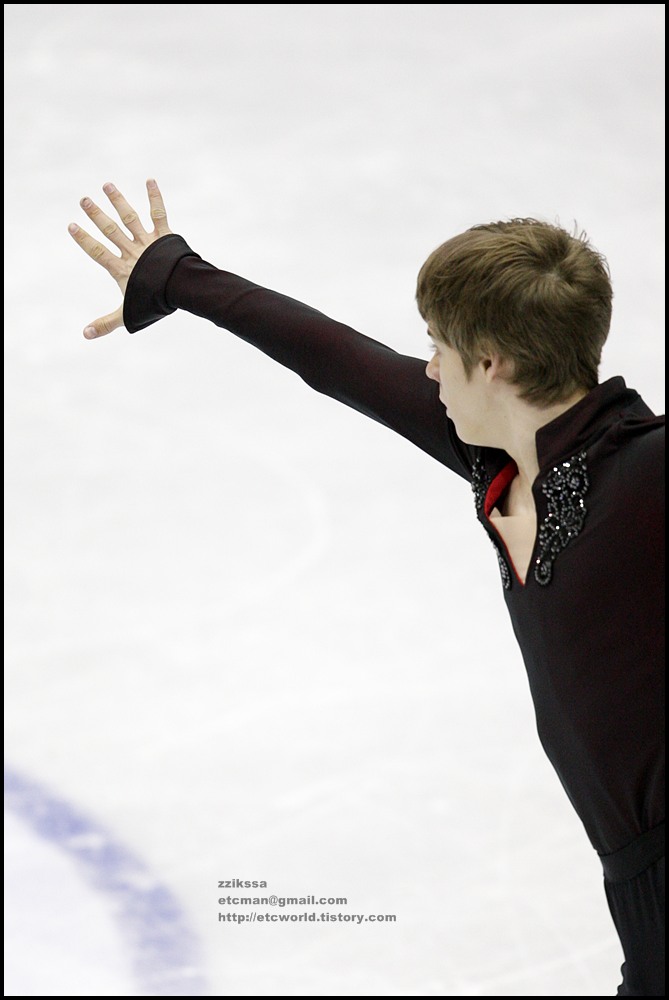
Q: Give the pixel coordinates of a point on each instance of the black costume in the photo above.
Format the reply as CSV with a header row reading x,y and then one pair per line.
x,y
588,619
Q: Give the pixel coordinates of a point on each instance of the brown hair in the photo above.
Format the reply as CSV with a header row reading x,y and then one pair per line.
x,y
528,291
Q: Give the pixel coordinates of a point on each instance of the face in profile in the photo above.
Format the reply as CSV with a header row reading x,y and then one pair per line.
x,y
463,395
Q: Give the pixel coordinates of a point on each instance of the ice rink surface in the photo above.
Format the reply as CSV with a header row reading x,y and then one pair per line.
x,y
250,634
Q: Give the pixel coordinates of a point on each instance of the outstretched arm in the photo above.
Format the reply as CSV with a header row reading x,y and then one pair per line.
x,y
158,273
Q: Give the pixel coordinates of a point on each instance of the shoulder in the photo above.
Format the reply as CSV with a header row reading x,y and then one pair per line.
x,y
640,465
642,438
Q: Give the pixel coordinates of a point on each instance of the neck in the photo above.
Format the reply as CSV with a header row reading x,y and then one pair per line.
x,y
519,429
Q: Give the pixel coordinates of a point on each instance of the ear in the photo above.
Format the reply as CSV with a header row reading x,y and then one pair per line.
x,y
496,367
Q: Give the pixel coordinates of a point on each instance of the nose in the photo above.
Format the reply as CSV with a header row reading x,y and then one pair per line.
x,y
432,369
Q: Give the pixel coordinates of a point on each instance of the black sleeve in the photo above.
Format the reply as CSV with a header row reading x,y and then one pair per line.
x,y
332,358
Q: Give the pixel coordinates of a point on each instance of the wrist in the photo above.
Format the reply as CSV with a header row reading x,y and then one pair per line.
x,y
145,299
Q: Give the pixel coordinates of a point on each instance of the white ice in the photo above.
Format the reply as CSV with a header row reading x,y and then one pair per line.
x,y
250,633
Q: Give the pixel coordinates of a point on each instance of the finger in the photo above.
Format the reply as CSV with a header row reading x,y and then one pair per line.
x,y
106,225
127,214
104,325
158,213
96,250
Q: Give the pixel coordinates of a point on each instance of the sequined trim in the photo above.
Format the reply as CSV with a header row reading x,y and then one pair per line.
x,y
480,484
564,488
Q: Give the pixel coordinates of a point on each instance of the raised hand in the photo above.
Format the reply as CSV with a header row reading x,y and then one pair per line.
x,y
131,247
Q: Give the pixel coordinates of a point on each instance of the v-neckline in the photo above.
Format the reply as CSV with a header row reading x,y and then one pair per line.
x,y
499,486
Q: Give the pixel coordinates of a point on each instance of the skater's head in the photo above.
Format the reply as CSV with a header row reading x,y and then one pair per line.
x,y
528,292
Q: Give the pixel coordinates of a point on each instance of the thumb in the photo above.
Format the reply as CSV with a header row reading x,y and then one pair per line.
x,y
104,325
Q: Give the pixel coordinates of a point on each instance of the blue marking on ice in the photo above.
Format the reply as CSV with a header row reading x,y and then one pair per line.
x,y
163,951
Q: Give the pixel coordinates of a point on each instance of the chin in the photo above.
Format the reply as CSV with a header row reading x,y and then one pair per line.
x,y
470,436
460,428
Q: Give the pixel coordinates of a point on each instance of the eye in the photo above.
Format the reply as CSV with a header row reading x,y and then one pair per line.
x,y
434,349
